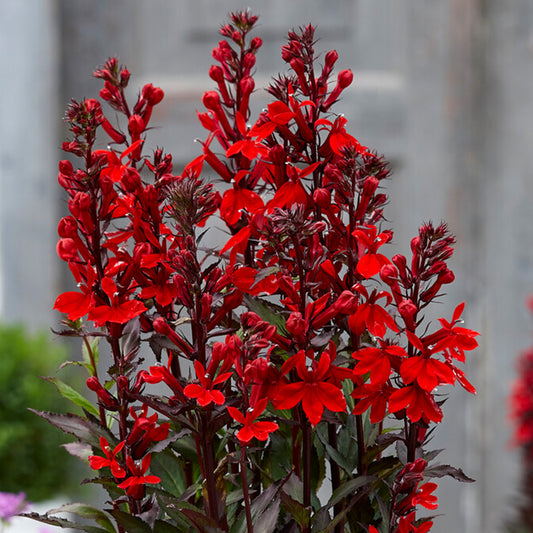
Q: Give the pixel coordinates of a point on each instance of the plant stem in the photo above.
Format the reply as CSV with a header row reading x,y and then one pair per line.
x,y
411,445
209,469
245,492
360,444
306,430
335,475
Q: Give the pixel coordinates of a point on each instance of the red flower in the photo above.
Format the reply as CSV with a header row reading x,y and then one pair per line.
x,y
370,315
419,403
235,201
134,484
370,263
378,361
406,525
338,139
75,304
260,430
115,168
452,338
374,397
96,462
160,373
424,497
313,391
204,391
119,311
249,147
426,371
292,191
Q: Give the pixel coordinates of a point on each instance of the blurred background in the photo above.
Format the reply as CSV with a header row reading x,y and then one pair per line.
x,y
443,88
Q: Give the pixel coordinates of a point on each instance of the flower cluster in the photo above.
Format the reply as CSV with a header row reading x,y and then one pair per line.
x,y
521,412
282,351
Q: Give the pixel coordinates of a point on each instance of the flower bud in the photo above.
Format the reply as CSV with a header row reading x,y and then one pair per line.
x,y
211,100
345,78
136,125
67,249
256,43
331,59
322,197
296,324
124,77
407,308
65,167
446,277
250,320
249,61
247,85
131,181
68,227
389,274
216,73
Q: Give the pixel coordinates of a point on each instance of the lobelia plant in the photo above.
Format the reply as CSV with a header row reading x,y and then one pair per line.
x,y
293,357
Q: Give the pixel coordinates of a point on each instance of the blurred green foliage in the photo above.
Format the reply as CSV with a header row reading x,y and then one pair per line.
x,y
31,455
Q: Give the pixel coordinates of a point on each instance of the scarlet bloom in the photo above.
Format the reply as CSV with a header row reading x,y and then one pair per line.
x,y
406,525
424,497
115,167
368,239
338,139
120,311
313,391
204,391
260,430
96,462
370,314
374,397
417,402
235,201
134,484
378,361
249,147
427,372
453,338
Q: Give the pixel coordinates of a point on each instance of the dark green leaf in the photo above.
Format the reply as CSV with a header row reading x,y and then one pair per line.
x,y
269,312
86,511
167,467
268,519
203,523
81,428
345,462
297,510
74,396
131,524
63,523
349,488
130,341
163,527
259,504
447,470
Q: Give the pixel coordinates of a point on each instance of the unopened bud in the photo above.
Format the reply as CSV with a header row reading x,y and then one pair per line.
x,y
256,43
345,78
136,125
67,249
322,197
124,77
211,100
216,73
331,59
